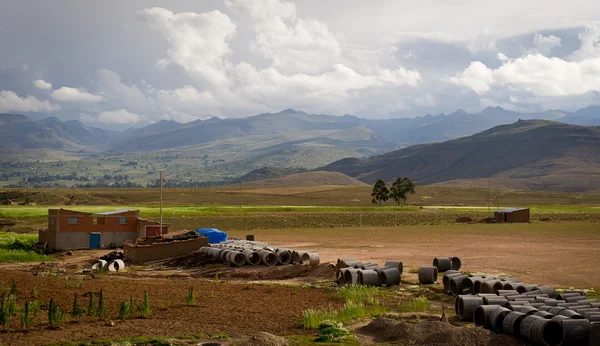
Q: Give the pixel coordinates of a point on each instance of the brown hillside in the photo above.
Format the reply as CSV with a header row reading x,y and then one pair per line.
x,y
540,155
308,179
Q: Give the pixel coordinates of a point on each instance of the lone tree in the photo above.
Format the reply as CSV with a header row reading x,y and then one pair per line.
x,y
380,192
401,188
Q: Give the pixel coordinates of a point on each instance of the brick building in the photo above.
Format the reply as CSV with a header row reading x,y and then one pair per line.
x,y
70,229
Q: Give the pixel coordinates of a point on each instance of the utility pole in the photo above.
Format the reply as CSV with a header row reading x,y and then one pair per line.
x,y
161,221
498,193
489,195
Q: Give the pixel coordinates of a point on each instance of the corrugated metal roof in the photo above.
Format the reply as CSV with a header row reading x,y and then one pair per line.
x,y
510,210
115,212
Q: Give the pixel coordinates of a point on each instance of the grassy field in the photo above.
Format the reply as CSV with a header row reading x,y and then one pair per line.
x,y
17,248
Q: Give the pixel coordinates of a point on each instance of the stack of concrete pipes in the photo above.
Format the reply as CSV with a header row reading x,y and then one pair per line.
x,y
352,272
241,252
429,275
535,314
112,266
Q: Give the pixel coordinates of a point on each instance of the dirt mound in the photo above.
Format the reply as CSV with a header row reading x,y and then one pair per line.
x,y
432,333
264,339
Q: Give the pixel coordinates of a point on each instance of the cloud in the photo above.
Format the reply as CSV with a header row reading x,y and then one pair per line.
x,y
11,102
115,117
412,36
66,94
590,44
536,74
485,42
545,44
42,84
122,95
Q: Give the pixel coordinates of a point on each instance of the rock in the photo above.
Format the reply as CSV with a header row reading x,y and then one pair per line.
x,y
69,253
110,324
264,339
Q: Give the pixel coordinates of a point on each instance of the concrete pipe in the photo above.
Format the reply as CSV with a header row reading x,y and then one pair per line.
x,y
536,305
580,292
428,275
562,296
506,293
296,257
568,305
594,318
559,318
525,326
351,276
446,280
482,314
366,266
511,298
460,285
268,258
530,287
533,293
497,319
545,307
491,286
368,277
116,266
594,339
455,263
252,257
526,309
395,264
465,307
442,263
587,301
556,309
588,313
223,255
495,301
584,311
570,314
550,291
574,299
510,286
237,258
389,276
575,332
548,333
477,281
343,262
544,314
541,299
284,257
525,299
311,259
99,264
512,323
509,279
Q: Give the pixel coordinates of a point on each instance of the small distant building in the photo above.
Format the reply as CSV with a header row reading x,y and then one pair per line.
x,y
512,215
70,229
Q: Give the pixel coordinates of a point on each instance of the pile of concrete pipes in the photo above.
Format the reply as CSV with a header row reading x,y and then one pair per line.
x,y
352,272
429,275
457,283
112,266
242,252
537,315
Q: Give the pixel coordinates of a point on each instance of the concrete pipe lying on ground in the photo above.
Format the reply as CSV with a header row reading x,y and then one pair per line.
x,y
477,281
296,257
491,286
495,301
311,259
99,264
236,258
368,277
575,332
284,256
594,318
446,280
574,299
525,326
562,296
460,285
351,276
389,276
570,314
548,332
506,293
428,275
526,309
481,316
512,323
496,318
544,314
594,332
366,266
442,263
465,307
116,266
455,263
395,264
252,257
344,262
268,258
550,291
556,309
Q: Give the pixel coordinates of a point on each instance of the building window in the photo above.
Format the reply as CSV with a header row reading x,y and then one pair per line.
x,y
121,220
73,220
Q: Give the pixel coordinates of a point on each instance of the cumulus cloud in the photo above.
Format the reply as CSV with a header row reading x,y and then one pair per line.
x,y
42,84
66,94
11,102
544,44
115,117
122,95
590,44
535,74
485,42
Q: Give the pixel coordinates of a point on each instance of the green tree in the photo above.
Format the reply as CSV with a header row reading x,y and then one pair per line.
x,y
380,192
101,312
77,311
401,188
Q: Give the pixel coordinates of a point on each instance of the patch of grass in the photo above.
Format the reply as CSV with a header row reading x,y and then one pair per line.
x,y
361,294
593,294
18,248
415,305
330,331
413,270
351,311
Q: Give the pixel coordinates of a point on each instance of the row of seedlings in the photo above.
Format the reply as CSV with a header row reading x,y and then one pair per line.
x,y
241,252
353,272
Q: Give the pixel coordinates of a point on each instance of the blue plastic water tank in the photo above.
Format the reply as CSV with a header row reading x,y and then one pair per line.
x,y
214,235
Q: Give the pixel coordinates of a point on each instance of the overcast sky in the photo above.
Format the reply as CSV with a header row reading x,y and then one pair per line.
x,y
129,63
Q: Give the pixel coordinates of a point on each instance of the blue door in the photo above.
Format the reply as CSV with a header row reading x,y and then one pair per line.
x,y
94,240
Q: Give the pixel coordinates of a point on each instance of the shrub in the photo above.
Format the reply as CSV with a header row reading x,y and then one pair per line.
x,y
76,311
26,320
55,314
4,318
35,308
330,331
350,311
124,311
34,292
12,305
361,294
145,307
13,289
191,298
101,312
91,310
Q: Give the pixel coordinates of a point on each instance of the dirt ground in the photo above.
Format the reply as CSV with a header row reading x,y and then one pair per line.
x,y
559,254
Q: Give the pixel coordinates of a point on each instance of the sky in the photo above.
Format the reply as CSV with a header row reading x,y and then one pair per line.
x,y
117,64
